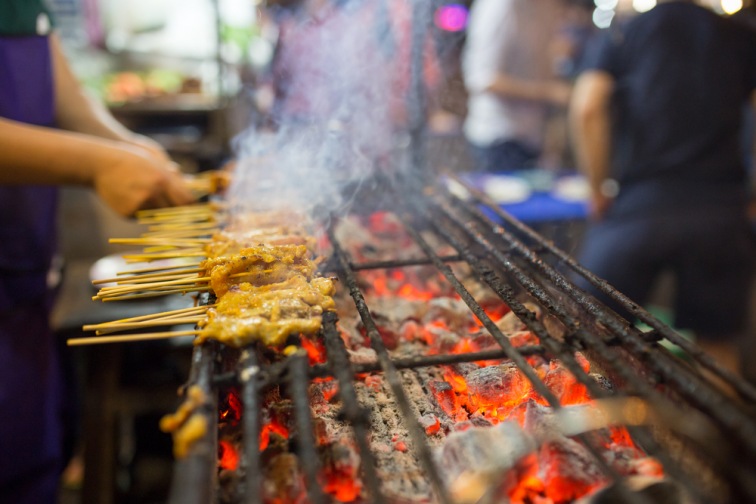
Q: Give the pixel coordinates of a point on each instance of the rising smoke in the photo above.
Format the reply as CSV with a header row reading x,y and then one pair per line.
x,y
341,73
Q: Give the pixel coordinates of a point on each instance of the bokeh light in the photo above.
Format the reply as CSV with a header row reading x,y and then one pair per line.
x,y
644,5
451,17
731,6
603,18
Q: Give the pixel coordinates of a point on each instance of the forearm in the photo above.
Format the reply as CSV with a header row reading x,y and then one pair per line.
x,y
37,155
591,141
76,110
550,91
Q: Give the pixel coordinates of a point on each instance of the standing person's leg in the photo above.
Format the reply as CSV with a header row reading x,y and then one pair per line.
x,y
628,254
716,271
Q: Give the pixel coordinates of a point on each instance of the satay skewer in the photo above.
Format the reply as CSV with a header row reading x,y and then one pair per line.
x,y
160,315
136,277
126,338
156,293
108,329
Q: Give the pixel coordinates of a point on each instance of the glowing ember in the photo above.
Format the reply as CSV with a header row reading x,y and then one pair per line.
x,y
228,456
231,410
271,428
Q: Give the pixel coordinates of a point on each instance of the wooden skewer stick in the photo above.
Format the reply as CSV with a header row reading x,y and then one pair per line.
x,y
204,208
159,241
188,234
184,227
126,338
154,279
122,289
165,255
166,314
150,277
156,268
178,219
155,294
148,323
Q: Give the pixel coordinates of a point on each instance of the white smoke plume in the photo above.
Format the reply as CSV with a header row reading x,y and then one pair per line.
x,y
340,68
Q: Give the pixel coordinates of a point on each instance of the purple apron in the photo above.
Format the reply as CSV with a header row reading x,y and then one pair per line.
x,y
30,383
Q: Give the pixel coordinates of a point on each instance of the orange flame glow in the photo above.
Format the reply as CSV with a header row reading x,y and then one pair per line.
x,y
229,457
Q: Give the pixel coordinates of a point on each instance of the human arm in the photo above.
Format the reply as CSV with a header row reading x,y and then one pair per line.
x,y
590,125
76,110
552,91
125,177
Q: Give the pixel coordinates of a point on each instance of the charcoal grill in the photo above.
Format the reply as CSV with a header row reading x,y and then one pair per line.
x,y
705,440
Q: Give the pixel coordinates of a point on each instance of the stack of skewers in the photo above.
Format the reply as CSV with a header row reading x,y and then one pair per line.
x,y
259,267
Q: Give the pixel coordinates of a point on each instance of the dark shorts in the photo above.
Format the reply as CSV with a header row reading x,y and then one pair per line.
x,y
710,253
507,155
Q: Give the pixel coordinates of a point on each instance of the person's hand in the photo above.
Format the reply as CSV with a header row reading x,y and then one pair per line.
x,y
136,181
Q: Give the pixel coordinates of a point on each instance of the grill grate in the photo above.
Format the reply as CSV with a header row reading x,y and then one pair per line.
x,y
512,260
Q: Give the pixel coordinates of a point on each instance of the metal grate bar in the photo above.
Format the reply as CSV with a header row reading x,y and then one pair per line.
x,y
417,434
338,360
529,318
698,392
744,388
307,448
194,477
400,263
574,331
249,370
432,360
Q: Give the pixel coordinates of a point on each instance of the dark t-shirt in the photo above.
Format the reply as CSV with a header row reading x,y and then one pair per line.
x,y
682,77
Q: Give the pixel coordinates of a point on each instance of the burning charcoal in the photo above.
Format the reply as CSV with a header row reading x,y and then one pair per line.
x,y
649,490
385,328
602,381
568,470
325,391
411,330
440,339
453,311
283,481
494,387
341,468
430,423
445,397
523,338
473,459
510,323
393,310
362,356
478,420
563,384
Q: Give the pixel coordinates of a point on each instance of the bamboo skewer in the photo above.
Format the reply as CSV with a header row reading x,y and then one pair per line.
x,y
149,323
156,293
164,255
165,284
93,340
150,276
121,289
160,241
151,269
154,316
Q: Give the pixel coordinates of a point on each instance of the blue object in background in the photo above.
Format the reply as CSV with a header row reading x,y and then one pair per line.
x,y
543,203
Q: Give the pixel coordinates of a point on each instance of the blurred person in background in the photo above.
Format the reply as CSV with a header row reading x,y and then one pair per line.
x,y
656,123
39,98
510,75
